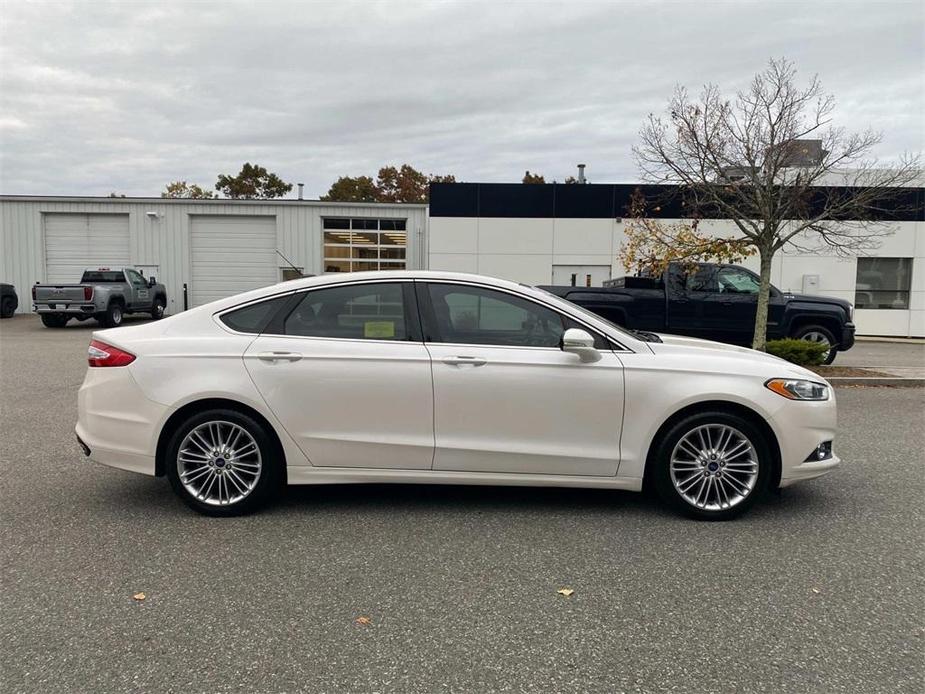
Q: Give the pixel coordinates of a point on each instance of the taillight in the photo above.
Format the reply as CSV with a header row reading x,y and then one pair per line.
x,y
33,292
88,293
101,354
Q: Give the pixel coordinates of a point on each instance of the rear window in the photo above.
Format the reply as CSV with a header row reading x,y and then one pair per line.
x,y
102,276
253,318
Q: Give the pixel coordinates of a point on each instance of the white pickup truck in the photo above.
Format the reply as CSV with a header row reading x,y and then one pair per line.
x,y
106,294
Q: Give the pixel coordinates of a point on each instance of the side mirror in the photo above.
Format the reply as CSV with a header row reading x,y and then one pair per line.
x,y
152,281
580,342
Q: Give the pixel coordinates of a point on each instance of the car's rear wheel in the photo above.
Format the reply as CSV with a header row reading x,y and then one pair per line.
x,y
222,463
822,336
54,320
7,308
712,465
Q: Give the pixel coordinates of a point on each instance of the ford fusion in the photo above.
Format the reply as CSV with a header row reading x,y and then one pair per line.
x,y
443,378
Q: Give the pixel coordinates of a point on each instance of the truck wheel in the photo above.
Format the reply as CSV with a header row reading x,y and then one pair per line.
x,y
7,308
816,333
112,318
157,309
54,320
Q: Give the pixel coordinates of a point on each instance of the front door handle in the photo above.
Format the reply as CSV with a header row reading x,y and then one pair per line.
x,y
279,356
465,361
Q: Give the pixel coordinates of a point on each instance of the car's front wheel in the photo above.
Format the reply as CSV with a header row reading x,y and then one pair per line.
x,y
222,463
712,465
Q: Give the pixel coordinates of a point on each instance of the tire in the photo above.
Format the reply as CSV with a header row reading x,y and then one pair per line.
x,y
7,308
112,317
706,487
157,308
222,485
54,320
817,333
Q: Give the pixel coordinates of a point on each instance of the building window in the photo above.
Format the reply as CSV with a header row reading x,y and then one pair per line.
x,y
354,245
883,283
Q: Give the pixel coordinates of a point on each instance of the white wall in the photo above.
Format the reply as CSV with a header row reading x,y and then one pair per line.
x,y
525,250
161,244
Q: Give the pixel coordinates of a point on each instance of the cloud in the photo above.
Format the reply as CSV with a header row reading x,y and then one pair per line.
x,y
126,97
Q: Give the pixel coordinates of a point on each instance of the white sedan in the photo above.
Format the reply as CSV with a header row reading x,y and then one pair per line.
x,y
443,378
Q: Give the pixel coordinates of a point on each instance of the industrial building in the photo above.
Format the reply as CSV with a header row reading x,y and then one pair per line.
x,y
539,234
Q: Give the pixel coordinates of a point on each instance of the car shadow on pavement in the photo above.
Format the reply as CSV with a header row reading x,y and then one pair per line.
x,y
153,497
428,497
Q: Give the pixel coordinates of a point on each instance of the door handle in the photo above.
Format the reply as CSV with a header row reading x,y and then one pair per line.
x,y
465,361
279,356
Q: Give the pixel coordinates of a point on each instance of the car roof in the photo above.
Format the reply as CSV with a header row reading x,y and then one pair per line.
x,y
385,275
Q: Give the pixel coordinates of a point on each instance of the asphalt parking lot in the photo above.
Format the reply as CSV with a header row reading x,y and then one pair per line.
x,y
817,590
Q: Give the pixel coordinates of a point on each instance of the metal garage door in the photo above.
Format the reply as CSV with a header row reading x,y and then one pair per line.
x,y
77,241
231,254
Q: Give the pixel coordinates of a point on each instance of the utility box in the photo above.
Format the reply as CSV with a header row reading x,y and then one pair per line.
x,y
810,284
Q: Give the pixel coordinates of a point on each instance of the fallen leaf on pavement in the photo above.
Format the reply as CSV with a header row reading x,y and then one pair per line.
x,y
364,621
565,591
139,596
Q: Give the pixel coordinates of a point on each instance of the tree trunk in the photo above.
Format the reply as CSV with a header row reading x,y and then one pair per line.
x,y
760,337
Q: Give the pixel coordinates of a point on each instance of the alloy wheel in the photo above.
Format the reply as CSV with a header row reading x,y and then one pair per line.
x,y
219,463
714,467
815,336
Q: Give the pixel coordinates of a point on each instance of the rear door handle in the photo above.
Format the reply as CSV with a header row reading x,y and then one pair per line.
x,y
279,356
465,361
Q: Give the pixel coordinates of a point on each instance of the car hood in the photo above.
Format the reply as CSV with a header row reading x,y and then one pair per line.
x,y
730,358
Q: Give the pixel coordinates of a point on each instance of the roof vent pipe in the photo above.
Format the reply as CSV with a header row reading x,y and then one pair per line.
x,y
301,186
581,174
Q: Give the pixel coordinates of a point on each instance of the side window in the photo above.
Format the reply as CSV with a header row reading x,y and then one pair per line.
x,y
356,312
253,318
473,315
702,280
135,278
731,280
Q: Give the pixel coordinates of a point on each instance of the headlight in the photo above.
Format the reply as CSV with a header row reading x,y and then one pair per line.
x,y
798,389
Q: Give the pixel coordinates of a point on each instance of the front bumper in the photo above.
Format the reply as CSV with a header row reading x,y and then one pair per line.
x,y
70,309
847,337
801,426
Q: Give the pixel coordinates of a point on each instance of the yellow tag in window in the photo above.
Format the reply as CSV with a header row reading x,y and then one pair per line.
x,y
379,329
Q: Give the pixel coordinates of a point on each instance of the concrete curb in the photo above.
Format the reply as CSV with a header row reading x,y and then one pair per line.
x,y
876,381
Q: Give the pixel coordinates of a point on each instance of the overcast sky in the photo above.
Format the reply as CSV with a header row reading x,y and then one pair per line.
x,y
98,97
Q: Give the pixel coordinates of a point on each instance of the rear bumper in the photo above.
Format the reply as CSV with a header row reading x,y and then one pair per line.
x,y
71,309
847,337
116,422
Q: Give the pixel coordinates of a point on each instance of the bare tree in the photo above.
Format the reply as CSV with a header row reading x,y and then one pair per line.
x,y
771,161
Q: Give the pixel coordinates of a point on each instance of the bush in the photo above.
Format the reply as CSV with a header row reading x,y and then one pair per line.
x,y
800,352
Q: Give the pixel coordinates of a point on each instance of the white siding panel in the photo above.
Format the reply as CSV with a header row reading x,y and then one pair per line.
x,y
77,241
231,254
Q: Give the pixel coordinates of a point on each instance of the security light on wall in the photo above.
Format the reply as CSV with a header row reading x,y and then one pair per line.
x,y
152,214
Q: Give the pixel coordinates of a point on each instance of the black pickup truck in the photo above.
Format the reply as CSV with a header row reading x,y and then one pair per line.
x,y
715,302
